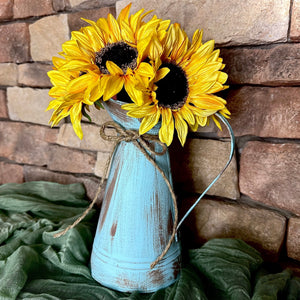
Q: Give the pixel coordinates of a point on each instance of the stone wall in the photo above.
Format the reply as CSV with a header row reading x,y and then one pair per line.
x,y
257,199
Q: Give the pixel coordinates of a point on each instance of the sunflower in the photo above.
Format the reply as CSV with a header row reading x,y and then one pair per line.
x,y
99,60
181,94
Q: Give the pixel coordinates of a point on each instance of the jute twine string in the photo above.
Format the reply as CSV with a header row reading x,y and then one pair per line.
x,y
142,143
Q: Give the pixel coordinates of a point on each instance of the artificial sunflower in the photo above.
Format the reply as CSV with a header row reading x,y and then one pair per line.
x,y
181,94
99,60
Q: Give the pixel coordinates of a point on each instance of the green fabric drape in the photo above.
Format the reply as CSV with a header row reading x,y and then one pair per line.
x,y
35,265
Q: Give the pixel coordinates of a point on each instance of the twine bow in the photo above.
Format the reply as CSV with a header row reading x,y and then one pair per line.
x,y
142,143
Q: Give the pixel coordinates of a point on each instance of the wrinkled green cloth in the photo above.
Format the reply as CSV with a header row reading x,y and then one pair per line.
x,y
35,265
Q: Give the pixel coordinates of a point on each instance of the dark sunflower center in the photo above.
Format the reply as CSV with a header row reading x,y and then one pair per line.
x,y
173,89
123,55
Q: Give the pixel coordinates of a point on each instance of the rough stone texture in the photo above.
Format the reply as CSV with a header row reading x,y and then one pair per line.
x,y
14,43
35,101
99,117
268,65
263,229
199,162
101,163
3,107
59,5
75,22
71,160
295,22
25,8
8,74
11,173
24,143
232,23
293,238
91,138
270,173
34,75
265,112
47,35
32,173
6,10
90,4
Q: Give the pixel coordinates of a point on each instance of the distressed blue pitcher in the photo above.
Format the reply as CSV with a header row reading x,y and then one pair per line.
x,y
136,219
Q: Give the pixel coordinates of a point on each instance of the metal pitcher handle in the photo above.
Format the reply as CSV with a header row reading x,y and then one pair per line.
x,y
232,143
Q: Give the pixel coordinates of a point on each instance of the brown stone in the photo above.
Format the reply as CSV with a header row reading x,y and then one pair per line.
x,y
268,65
60,5
270,174
3,106
293,238
265,112
232,23
90,4
263,229
75,22
24,143
71,160
8,74
6,10
35,100
295,22
91,184
14,43
199,162
47,36
34,75
91,138
10,173
32,8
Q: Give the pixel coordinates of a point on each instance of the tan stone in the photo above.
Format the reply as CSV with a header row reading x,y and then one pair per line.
x,y
263,229
34,100
47,36
25,9
75,22
102,158
25,143
265,112
10,173
8,74
91,184
232,23
295,21
34,75
270,174
269,65
293,238
98,117
91,138
3,107
199,162
6,10
14,43
71,160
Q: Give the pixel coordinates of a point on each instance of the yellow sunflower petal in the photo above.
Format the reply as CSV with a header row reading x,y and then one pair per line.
x,y
113,87
166,131
149,122
181,127
113,69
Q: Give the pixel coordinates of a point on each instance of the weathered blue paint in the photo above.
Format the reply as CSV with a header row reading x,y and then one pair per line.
x,y
136,219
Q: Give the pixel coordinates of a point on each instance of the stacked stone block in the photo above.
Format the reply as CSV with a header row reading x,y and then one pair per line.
x,y
257,199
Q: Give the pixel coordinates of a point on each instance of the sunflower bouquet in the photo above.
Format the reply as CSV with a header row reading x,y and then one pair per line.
x,y
162,77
